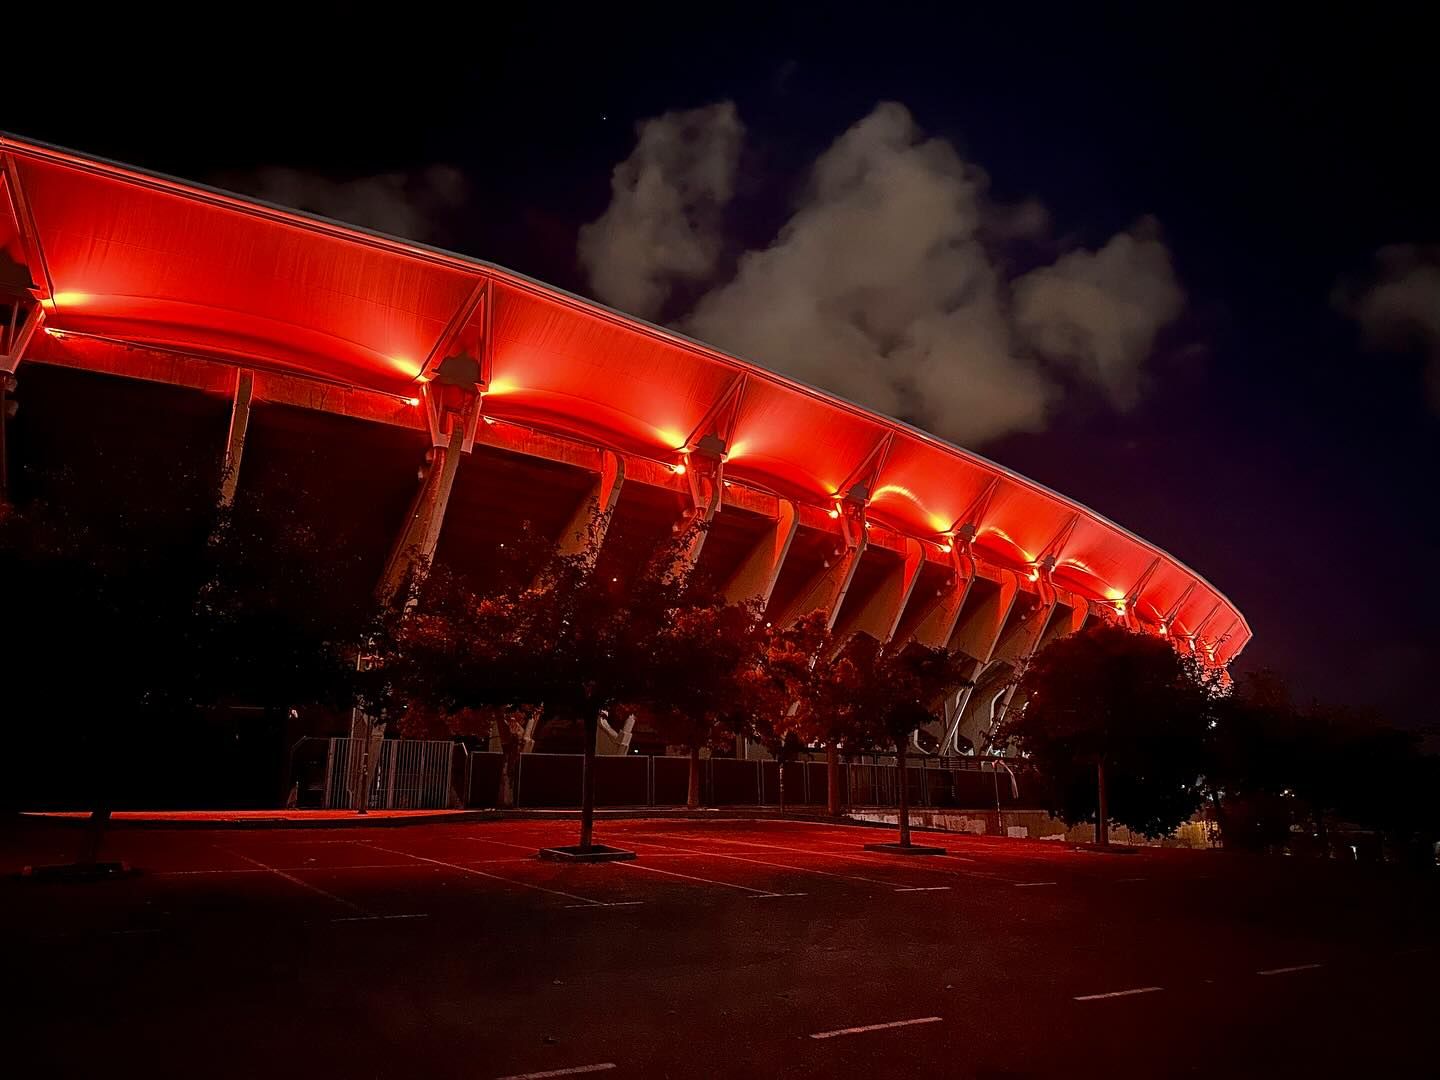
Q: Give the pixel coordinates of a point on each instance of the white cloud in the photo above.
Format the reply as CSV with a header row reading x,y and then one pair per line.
x,y
1400,307
663,222
1098,311
883,287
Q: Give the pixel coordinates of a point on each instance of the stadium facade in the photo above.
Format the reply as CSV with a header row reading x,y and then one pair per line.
x,y
279,341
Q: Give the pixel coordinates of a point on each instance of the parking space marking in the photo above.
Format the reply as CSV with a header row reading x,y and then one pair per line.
x,y
299,881
925,888
493,877
778,866
1288,970
502,843
616,903
854,856
876,1027
574,1071
379,918
1120,993
703,881
1032,884
280,869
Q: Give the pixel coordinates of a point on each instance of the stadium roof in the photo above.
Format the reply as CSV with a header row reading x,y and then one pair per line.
x,y
116,254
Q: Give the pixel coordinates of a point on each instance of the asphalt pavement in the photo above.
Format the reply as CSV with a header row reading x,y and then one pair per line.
x,y
726,949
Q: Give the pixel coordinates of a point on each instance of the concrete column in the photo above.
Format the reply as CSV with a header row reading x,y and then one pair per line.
x,y
1065,620
978,630
239,426
756,576
880,615
826,590
592,517
421,532
935,630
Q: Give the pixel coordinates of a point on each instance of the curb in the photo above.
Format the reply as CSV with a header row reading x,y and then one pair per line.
x,y
354,821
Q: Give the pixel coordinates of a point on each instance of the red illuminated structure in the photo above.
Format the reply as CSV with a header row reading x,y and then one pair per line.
x,y
526,401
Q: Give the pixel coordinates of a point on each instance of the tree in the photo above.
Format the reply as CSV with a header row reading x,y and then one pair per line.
x,y
694,692
1252,761
169,605
782,685
1274,765
1116,721
899,690
581,636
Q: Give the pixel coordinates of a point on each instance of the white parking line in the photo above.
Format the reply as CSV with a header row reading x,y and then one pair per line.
x,y
926,888
1120,993
297,881
1032,884
861,856
876,1027
702,880
1288,970
617,903
379,918
576,1071
493,877
281,869
775,865
502,843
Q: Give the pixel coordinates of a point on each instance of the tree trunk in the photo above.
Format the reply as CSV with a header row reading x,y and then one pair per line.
x,y
1102,819
509,766
99,819
587,782
903,768
832,779
692,792
781,759
102,789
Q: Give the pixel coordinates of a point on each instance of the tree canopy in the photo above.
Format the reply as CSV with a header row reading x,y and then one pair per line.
x,y
1123,707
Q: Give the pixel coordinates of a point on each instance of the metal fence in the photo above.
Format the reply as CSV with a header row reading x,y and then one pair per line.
x,y
553,781
407,774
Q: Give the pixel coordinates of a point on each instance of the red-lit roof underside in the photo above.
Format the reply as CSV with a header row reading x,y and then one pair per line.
x,y
119,254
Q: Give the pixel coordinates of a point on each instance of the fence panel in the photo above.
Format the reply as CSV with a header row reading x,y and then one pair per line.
x,y
622,781
672,779
550,780
734,782
553,780
407,774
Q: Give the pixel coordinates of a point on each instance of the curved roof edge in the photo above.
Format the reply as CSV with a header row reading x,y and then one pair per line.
x,y
429,252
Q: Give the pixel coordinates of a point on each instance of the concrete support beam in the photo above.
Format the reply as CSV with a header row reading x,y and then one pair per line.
x,y
880,615
978,630
754,579
239,426
1067,618
421,532
1022,639
985,703
20,320
826,590
935,630
704,473
586,529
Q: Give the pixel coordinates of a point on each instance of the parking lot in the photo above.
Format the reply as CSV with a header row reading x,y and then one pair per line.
x,y
728,948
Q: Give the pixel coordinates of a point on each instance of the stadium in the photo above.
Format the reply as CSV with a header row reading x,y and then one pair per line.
x,y
440,401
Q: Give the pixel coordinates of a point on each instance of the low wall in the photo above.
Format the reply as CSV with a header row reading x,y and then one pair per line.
x,y
1034,825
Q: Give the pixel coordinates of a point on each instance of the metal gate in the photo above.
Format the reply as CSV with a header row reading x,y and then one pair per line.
x,y
408,774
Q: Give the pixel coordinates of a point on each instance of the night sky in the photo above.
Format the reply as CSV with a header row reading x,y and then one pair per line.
x,y
1271,448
